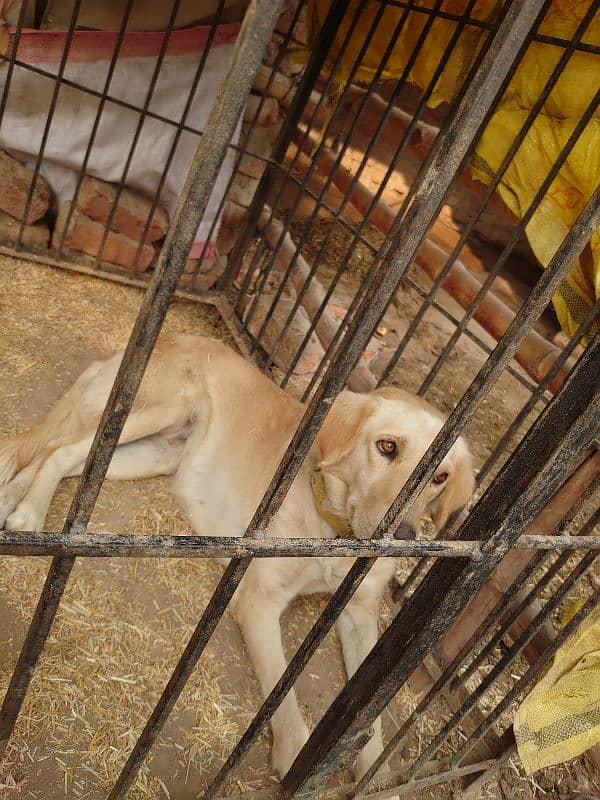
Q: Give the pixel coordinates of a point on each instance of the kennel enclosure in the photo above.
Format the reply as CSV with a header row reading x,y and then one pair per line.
x,y
479,598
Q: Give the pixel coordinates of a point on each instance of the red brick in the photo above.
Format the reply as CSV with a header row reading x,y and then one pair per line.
x,y
253,167
267,108
96,199
291,67
234,214
260,140
15,183
200,282
243,190
85,236
226,240
279,86
300,28
212,263
35,236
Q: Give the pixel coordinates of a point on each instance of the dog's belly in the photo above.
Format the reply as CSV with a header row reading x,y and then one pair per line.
x,y
209,502
214,516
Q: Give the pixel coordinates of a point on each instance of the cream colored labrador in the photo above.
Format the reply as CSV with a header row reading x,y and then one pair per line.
x,y
211,419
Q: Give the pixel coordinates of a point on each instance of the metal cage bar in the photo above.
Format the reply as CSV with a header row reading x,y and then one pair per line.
x,y
450,677
517,495
338,215
559,436
257,28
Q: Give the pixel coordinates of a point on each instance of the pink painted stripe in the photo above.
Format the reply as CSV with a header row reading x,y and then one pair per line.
x,y
48,46
198,247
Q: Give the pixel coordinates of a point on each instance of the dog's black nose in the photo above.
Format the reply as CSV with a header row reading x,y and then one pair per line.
x,y
405,530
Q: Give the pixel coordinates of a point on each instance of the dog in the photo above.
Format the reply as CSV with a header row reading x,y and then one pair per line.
x,y
219,426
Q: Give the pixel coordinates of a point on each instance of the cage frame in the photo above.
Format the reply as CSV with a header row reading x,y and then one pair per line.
x,y
504,509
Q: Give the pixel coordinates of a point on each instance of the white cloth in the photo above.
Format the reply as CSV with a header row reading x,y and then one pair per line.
x,y
30,97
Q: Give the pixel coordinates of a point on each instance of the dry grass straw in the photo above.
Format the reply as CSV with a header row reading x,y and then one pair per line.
x,y
124,622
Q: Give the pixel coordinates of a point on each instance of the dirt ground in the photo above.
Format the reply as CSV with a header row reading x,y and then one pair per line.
x,y
124,622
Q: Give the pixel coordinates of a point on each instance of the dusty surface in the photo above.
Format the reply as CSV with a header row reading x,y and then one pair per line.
x,y
124,622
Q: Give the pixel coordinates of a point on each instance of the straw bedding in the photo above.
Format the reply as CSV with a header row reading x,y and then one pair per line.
x,y
124,622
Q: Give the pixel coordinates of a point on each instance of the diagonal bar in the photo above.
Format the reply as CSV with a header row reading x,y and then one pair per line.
x,y
254,35
526,482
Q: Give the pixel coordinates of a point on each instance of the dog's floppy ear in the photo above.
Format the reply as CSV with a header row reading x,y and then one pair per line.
x,y
457,492
342,427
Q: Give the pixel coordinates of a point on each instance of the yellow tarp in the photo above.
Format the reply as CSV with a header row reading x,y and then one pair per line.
x,y
565,106
560,718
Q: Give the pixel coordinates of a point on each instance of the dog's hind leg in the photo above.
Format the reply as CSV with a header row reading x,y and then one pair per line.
x,y
68,457
145,458
65,418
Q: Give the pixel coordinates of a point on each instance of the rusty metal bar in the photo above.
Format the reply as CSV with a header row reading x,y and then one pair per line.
x,y
432,190
246,548
538,393
540,296
507,621
523,379
99,94
39,628
255,33
554,516
325,38
243,145
337,164
479,23
531,675
119,545
481,293
552,604
582,504
363,327
102,103
489,192
533,474
335,170
338,159
397,257
436,772
172,150
261,192
138,131
307,648
448,677
52,108
536,351
10,59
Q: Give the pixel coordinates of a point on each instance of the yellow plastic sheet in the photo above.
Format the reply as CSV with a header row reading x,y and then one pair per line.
x,y
565,106
560,718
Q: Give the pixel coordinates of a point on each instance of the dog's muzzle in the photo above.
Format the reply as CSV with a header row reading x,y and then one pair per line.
x,y
406,530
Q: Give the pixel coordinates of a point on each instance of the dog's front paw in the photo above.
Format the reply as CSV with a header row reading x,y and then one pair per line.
x,y
287,747
8,502
382,778
25,518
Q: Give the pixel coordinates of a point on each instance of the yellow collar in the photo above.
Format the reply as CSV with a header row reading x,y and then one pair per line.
x,y
341,526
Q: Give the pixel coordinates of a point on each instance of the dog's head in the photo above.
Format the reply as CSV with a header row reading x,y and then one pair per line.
x,y
368,447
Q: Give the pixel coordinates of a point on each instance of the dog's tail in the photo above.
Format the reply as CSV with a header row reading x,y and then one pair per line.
x,y
19,450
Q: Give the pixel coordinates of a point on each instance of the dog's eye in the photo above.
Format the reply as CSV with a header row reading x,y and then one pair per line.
x,y
387,447
441,477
